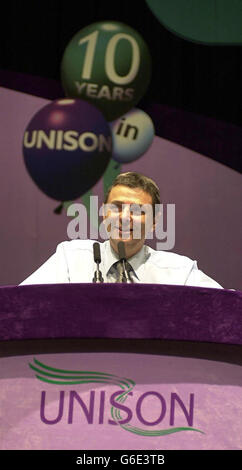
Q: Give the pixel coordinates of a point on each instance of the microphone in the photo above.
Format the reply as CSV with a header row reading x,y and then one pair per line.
x,y
122,258
121,251
97,258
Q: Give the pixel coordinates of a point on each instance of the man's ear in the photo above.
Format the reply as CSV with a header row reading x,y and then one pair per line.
x,y
157,217
103,212
149,221
105,225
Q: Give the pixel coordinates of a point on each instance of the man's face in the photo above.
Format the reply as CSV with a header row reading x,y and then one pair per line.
x,y
126,221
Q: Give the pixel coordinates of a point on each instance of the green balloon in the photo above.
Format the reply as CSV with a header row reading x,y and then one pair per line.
x,y
108,64
214,22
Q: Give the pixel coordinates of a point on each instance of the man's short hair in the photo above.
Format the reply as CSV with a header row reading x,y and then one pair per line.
x,y
137,180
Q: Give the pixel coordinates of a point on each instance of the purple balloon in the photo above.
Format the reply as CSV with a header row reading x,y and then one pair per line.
x,y
67,147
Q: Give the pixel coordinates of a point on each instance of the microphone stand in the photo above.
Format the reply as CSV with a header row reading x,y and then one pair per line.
x,y
97,258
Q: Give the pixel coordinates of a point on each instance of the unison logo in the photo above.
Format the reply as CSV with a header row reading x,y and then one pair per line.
x,y
100,400
67,140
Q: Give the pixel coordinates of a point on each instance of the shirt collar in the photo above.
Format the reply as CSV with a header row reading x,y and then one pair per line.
x,y
135,261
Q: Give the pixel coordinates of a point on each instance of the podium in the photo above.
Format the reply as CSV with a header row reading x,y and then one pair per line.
x,y
115,366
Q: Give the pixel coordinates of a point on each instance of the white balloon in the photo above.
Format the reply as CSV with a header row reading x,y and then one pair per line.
x,y
132,135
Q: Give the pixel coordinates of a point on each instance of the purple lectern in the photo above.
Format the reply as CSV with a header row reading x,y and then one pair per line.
x,y
115,366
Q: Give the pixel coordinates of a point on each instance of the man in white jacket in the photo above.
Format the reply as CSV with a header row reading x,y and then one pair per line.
x,y
74,262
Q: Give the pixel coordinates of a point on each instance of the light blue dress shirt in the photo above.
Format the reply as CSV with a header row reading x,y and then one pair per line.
x,y
73,262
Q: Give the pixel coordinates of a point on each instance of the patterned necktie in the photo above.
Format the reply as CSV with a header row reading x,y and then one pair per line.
x,y
120,272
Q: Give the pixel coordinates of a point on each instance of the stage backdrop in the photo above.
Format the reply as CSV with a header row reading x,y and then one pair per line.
x,y
207,197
